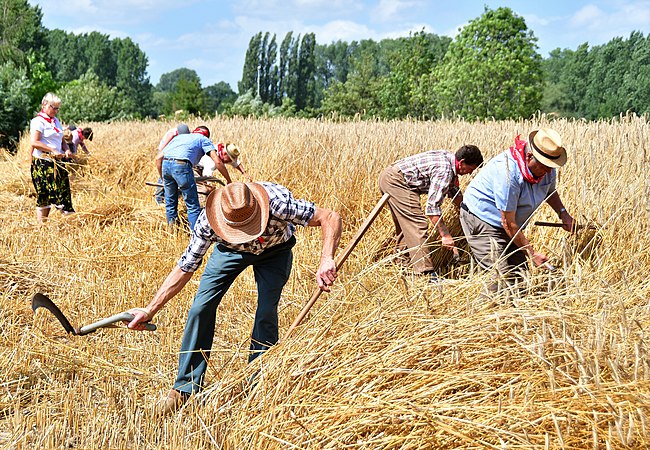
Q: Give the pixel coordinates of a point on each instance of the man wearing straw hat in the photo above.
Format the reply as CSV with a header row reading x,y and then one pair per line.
x,y
500,200
228,154
434,173
253,224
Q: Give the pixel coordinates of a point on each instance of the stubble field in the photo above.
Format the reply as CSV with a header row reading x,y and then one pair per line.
x,y
384,360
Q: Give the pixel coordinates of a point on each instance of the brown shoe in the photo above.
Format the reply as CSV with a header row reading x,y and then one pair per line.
x,y
172,402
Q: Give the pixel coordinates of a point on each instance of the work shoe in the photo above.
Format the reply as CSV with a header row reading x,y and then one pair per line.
x,y
172,402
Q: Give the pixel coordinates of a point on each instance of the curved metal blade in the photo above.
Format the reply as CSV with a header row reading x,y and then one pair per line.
x,y
41,301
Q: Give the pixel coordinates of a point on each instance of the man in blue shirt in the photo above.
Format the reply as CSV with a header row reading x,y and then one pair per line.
x,y
253,224
175,162
500,200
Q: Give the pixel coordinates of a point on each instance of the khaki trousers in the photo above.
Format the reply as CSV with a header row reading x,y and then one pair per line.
x,y
493,250
411,225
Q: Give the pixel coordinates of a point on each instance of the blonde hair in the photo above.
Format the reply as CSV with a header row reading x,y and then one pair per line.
x,y
50,98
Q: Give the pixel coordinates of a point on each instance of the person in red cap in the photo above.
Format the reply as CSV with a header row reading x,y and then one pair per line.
x,y
253,224
175,164
181,128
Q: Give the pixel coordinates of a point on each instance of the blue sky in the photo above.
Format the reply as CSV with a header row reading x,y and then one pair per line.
x,y
211,36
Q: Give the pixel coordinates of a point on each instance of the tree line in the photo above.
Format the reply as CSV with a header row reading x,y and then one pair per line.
x,y
490,70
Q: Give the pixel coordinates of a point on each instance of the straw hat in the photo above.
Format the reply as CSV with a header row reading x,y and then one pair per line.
x,y
233,151
238,212
547,147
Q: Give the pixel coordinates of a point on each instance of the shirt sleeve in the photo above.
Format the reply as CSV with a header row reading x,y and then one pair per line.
x,y
202,238
284,206
440,181
207,145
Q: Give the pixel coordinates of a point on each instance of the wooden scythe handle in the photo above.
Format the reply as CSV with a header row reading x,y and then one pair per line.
x,y
340,260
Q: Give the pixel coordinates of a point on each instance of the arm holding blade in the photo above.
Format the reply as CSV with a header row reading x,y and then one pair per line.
x,y
173,284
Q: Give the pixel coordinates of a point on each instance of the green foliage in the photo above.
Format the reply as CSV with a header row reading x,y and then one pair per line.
x,y
169,80
65,55
600,82
41,80
248,105
181,90
131,80
410,59
15,104
219,97
188,96
21,31
358,95
250,75
305,83
89,100
491,70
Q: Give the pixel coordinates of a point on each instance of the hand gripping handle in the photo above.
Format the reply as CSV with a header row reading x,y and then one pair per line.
x,y
124,316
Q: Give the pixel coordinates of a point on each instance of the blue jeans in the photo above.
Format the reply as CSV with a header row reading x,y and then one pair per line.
x,y
160,192
179,176
271,269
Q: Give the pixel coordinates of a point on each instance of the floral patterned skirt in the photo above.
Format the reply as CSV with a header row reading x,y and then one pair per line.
x,y
52,184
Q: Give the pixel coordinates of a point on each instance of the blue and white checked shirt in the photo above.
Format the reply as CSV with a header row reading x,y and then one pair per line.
x,y
285,213
432,173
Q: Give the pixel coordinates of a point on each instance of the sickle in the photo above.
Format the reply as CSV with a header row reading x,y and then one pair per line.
x,y
41,301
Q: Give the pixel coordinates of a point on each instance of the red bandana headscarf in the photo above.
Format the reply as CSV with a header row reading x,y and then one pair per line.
x,y
202,131
518,151
49,120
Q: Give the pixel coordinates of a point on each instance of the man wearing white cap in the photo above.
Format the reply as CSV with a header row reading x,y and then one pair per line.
x,y
500,200
253,224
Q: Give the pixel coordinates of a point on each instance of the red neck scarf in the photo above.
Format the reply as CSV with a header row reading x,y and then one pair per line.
x,y
48,119
81,136
220,151
456,180
518,151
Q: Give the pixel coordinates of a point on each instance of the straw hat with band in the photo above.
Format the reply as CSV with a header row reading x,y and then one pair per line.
x,y
233,152
546,145
238,212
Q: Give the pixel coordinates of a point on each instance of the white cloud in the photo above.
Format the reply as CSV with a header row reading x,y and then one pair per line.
x,y
619,20
589,16
390,10
343,30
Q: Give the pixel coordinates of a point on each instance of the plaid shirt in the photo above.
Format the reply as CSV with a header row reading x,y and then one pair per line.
x,y
432,173
285,213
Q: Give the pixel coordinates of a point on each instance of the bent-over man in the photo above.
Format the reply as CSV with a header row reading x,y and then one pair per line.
x,y
175,164
500,200
434,173
253,224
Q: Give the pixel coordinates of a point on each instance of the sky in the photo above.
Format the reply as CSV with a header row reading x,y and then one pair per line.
x,y
211,36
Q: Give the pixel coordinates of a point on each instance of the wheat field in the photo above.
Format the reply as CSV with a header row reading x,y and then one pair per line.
x,y
384,361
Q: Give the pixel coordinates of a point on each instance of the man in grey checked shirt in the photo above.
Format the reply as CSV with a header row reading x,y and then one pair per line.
x,y
253,224
434,173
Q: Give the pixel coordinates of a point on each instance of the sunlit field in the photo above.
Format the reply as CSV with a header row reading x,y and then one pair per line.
x,y
385,360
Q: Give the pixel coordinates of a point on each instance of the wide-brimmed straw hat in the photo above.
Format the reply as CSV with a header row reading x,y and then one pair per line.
x,y
233,151
238,212
547,148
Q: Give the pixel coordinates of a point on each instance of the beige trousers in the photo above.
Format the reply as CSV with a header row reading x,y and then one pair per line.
x,y
411,225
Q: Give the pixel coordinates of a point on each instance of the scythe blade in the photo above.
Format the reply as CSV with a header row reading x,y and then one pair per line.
x,y
41,301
